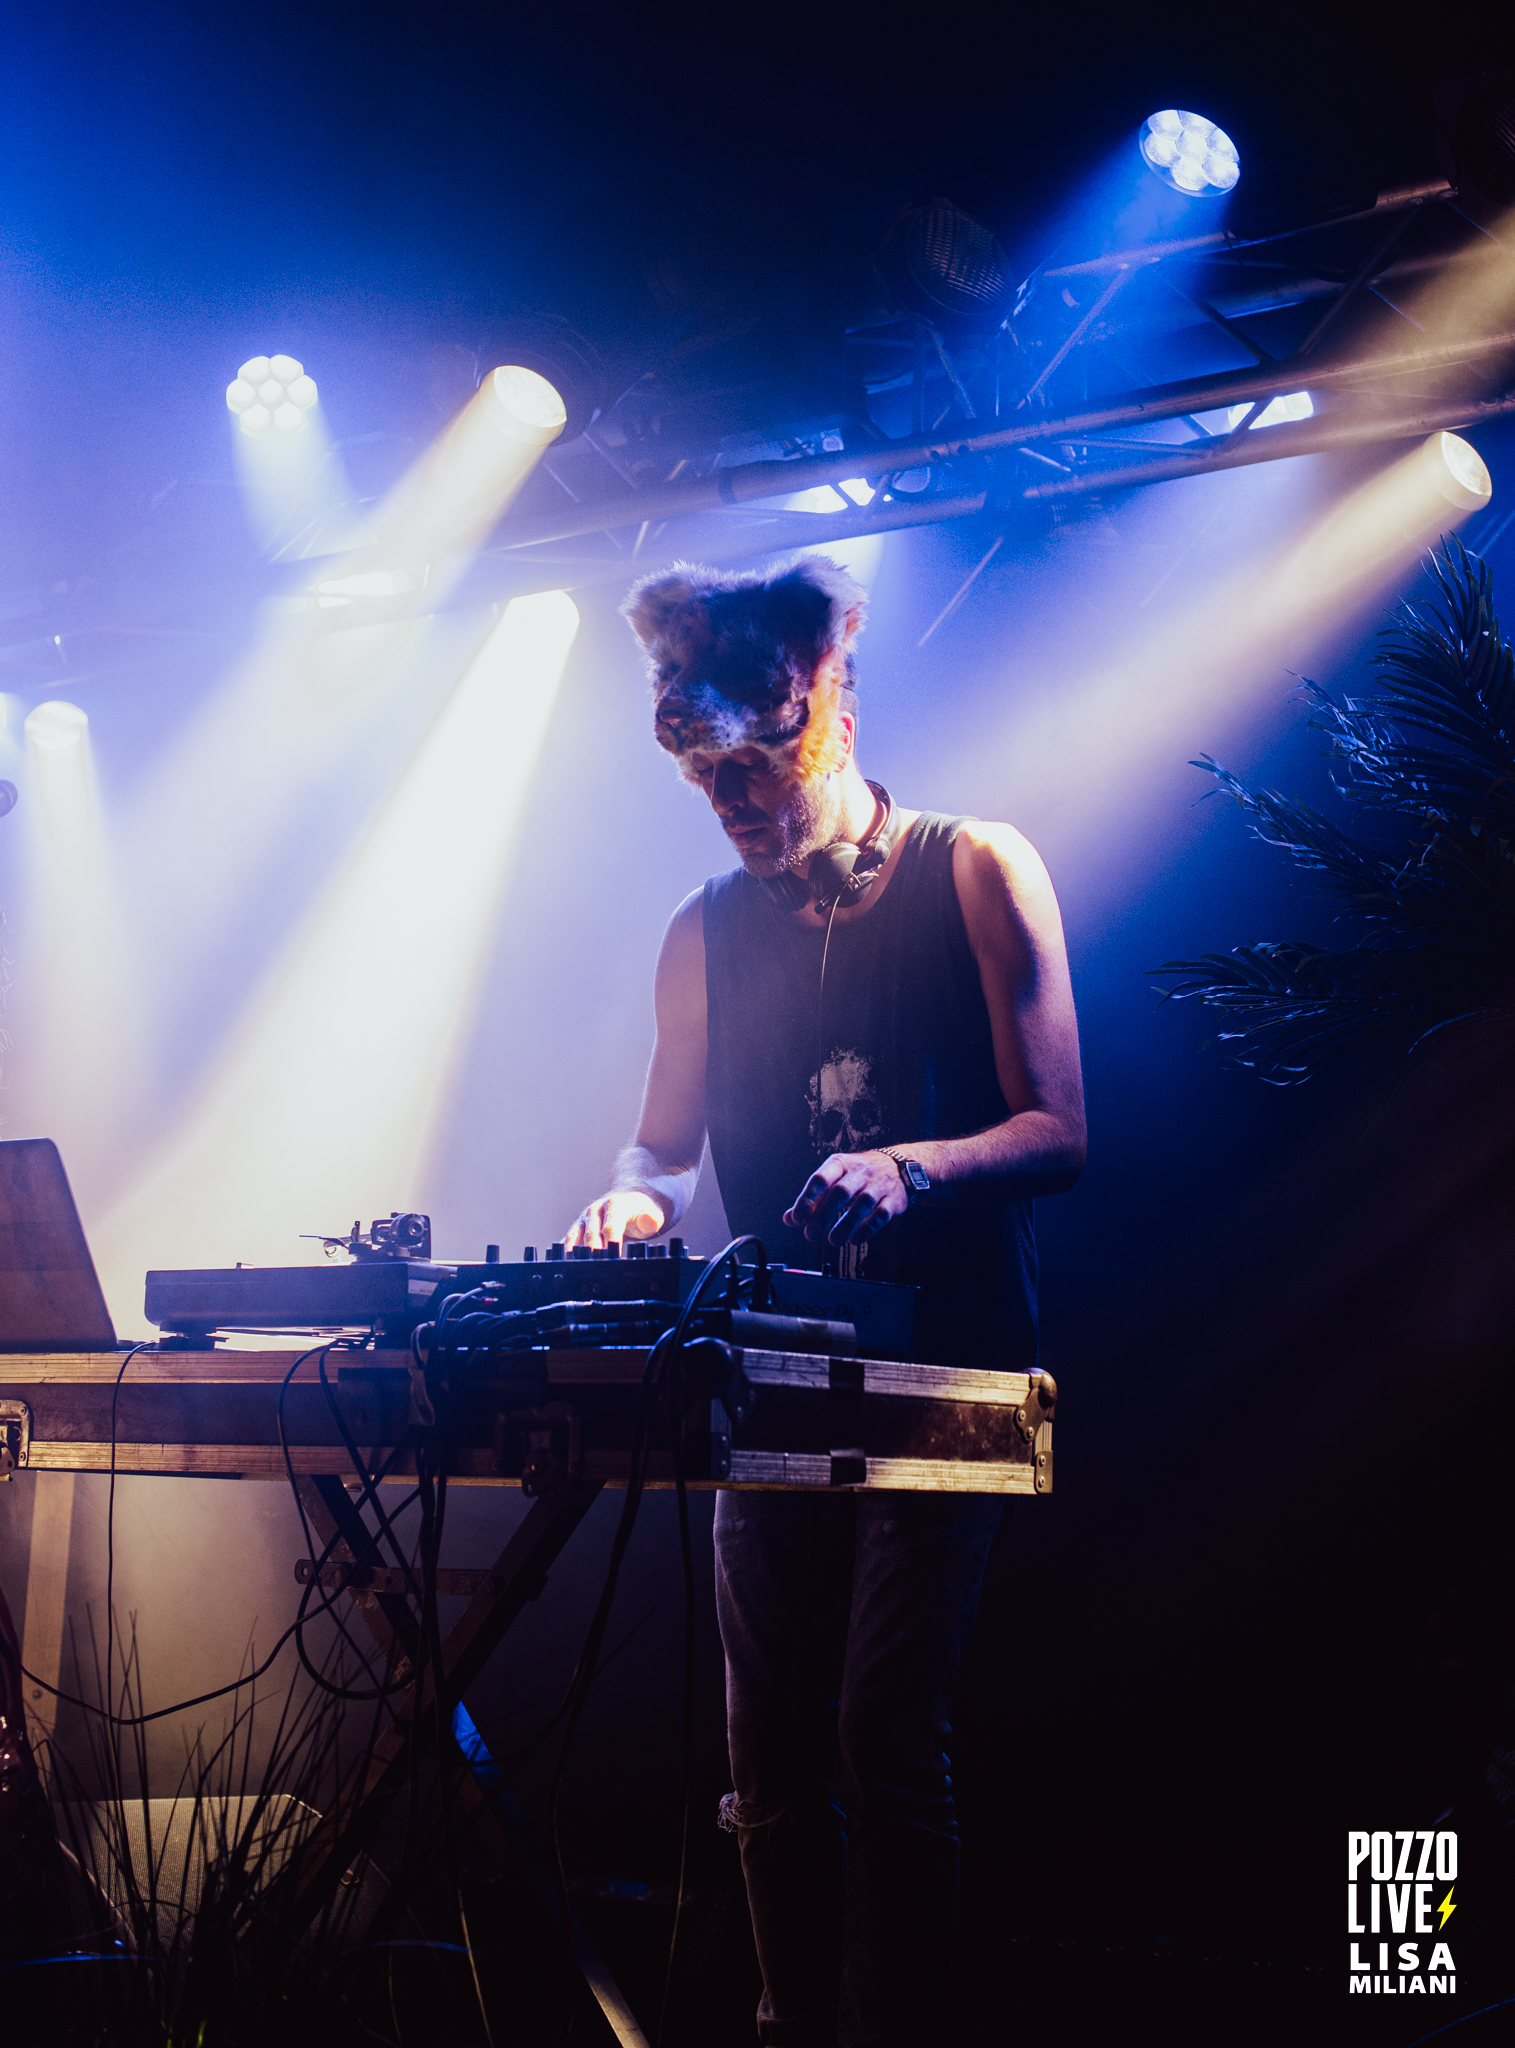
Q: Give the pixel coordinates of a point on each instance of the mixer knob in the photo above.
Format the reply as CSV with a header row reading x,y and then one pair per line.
x,y
555,1251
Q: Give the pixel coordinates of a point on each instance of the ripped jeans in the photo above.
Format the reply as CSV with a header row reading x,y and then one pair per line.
x,y
844,1618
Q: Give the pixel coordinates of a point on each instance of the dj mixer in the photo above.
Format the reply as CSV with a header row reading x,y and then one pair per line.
x,y
392,1296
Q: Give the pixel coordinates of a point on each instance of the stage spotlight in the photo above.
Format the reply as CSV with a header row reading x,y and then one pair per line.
x,y
532,405
560,358
1189,153
434,520
55,726
1484,139
1457,471
946,267
271,393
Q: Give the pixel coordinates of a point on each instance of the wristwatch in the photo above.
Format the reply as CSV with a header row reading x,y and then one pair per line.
x,y
912,1173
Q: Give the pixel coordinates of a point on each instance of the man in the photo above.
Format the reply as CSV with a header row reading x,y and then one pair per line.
x,y
887,1076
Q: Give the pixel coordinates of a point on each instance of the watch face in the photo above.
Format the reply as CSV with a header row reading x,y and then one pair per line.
x,y
917,1176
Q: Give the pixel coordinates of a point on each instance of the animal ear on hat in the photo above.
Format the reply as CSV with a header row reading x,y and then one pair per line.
x,y
653,605
816,606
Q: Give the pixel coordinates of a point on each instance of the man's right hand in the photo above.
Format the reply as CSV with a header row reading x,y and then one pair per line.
x,y
626,1213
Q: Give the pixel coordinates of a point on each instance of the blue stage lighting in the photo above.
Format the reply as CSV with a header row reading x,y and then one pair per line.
x,y
1189,153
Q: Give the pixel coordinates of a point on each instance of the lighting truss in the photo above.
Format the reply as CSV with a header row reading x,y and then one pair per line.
x,y
1071,394
973,406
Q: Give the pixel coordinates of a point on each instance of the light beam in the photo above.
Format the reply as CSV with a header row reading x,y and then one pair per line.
x,y
77,1001
323,1104
433,521
1101,746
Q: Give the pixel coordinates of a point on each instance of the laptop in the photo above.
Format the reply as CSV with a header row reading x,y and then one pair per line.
x,y
50,1297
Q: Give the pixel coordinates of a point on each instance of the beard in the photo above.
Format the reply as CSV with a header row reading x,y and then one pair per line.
x,y
809,818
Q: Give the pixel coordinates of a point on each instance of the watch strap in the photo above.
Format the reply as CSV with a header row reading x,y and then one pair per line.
x,y
913,1188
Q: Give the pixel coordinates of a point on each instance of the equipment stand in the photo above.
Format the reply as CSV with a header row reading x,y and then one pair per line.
x,y
490,1811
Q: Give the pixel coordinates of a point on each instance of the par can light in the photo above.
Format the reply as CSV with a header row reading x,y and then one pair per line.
x,y
562,361
533,408
947,267
55,726
1190,153
271,393
1456,469
1484,140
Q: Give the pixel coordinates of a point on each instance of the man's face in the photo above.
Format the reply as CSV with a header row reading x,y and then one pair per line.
x,y
773,815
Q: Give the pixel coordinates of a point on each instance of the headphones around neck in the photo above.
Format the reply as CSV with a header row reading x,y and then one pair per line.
x,y
844,871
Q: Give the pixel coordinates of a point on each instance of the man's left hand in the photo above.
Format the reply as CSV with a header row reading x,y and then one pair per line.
x,y
849,1198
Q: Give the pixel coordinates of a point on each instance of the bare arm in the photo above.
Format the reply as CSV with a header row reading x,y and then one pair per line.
x,y
656,1173
1017,938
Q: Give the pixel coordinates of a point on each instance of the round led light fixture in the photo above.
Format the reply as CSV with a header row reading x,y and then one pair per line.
x,y
1458,471
54,725
1190,153
533,408
947,267
271,394
548,348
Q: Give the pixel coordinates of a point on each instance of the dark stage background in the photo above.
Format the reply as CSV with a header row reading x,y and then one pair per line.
x,y
1269,1600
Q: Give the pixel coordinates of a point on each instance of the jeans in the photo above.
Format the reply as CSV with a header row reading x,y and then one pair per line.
x,y
844,1618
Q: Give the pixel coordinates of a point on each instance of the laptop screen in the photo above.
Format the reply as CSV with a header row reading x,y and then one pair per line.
x,y
50,1299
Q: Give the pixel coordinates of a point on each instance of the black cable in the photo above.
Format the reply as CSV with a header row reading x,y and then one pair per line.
x,y
200,1699
817,1122
369,1485
303,1619
110,1525
284,1440
107,1712
445,1749
509,1764
317,1677
583,1676
585,1669
870,838
686,1763
410,1843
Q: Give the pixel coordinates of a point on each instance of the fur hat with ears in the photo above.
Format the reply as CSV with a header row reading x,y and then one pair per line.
x,y
750,660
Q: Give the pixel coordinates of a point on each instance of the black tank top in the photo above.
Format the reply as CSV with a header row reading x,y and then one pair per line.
x,y
908,1054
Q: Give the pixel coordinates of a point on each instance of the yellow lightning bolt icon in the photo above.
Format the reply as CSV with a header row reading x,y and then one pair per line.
x,y
1446,1908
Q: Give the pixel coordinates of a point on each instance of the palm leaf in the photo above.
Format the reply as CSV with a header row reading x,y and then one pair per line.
x,y
1434,750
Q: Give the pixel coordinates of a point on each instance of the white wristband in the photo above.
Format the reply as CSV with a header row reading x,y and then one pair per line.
x,y
674,1190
